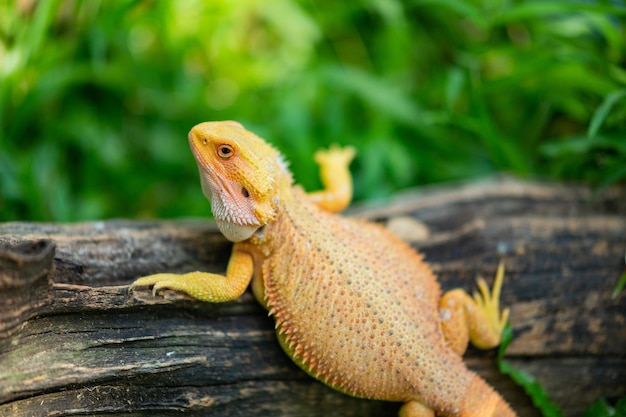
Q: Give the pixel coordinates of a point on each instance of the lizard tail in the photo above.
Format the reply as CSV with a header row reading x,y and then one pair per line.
x,y
481,400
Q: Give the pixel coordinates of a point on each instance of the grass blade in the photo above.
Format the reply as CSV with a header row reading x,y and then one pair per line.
x,y
530,385
603,111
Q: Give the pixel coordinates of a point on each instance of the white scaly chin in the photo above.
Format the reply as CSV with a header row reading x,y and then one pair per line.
x,y
235,233
234,214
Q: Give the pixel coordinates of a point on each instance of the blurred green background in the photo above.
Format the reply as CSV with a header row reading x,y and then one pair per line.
x,y
97,97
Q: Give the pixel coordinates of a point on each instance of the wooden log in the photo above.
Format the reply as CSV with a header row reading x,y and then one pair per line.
x,y
74,341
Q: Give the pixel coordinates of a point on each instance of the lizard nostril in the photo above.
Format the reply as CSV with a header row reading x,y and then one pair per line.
x,y
245,192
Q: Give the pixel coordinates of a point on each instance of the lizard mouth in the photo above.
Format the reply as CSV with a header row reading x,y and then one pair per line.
x,y
228,202
234,217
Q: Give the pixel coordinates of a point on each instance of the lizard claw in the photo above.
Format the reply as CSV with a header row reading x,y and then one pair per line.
x,y
489,301
156,281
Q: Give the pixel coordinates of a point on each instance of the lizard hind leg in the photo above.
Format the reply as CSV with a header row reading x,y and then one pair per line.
x,y
415,409
476,319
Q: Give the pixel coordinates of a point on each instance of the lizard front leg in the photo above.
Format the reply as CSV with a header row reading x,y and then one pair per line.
x,y
476,319
205,286
336,178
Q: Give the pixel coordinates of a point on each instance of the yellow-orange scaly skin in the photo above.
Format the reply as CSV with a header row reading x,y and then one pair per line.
x,y
358,309
354,306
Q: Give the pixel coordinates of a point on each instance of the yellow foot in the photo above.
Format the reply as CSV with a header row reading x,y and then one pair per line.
x,y
159,281
489,301
334,156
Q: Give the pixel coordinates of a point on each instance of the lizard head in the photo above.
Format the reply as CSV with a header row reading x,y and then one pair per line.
x,y
241,175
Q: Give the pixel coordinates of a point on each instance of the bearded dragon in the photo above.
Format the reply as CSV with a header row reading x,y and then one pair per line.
x,y
354,306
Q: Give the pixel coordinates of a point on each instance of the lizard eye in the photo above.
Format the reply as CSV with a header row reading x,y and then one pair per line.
x,y
225,151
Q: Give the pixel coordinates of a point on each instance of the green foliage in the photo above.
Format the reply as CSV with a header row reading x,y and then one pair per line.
x,y
601,409
534,390
620,283
540,398
96,97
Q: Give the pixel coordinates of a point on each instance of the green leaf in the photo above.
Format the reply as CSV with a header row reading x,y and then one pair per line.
x,y
620,407
463,8
9,184
534,390
34,34
603,111
613,176
601,408
454,85
598,409
543,9
620,284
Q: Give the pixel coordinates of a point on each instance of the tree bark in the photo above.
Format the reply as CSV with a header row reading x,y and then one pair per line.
x,y
74,341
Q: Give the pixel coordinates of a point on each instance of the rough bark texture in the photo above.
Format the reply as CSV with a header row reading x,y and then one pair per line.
x,y
73,341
